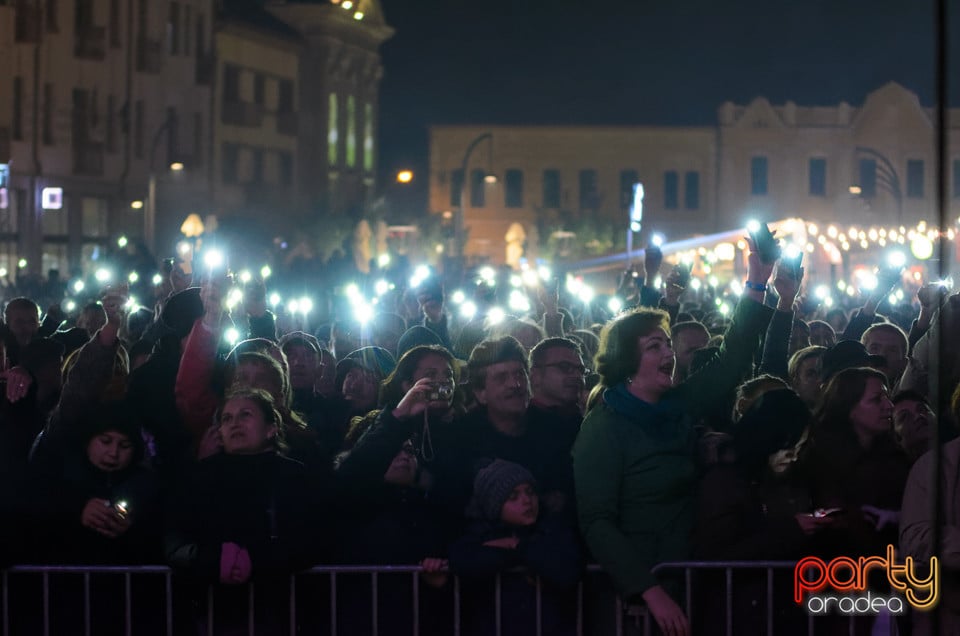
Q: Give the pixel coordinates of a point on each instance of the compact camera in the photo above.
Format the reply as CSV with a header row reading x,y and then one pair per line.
x,y
441,392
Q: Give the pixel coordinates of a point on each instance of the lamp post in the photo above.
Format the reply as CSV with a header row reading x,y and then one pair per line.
x,y
459,239
150,218
886,176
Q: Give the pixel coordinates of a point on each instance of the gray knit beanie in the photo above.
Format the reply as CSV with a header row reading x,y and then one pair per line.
x,y
492,487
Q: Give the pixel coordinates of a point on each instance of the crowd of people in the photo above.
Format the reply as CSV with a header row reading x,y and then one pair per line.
x,y
668,432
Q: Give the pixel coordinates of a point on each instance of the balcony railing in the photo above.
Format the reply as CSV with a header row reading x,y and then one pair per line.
x,y
287,123
242,114
90,43
149,55
88,159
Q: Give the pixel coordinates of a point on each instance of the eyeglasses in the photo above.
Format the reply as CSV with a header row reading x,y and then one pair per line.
x,y
567,368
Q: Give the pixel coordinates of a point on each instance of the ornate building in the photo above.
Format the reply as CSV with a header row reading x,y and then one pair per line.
x,y
868,165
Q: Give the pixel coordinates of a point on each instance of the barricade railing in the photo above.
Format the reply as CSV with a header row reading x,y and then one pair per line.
x,y
328,600
780,611
32,597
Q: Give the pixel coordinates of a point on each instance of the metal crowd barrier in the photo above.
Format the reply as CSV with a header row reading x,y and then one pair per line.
x,y
700,601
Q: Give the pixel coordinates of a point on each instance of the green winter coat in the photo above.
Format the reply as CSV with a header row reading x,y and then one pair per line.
x,y
634,462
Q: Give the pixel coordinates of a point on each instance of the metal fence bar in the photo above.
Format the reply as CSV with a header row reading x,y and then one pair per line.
x,y
618,608
416,604
293,605
251,616
497,609
580,608
456,606
168,584
127,604
209,610
6,605
539,609
769,601
46,604
333,604
86,603
374,601
729,591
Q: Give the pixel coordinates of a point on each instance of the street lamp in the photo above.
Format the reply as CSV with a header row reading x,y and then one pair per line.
x,y
150,218
458,233
886,176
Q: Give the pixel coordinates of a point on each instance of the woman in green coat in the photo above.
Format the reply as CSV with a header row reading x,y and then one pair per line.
x,y
634,459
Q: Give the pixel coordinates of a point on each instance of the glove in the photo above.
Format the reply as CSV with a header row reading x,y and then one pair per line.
x,y
882,518
235,566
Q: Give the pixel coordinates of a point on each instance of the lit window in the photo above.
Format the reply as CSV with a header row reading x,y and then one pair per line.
x,y
333,154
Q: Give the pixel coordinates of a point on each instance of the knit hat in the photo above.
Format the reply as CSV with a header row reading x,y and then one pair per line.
x,y
299,339
182,310
414,337
375,359
113,416
492,487
846,354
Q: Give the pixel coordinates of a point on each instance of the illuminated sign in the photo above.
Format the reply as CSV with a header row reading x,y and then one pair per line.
x,y
52,198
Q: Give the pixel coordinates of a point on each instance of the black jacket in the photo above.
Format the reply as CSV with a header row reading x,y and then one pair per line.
x,y
264,503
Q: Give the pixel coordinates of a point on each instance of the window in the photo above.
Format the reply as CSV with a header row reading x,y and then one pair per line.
x,y
257,172
818,177
143,19
691,190
83,17
513,188
201,39
93,217
286,168
115,40
671,190
230,158
589,199
333,152
758,176
138,126
868,178
187,28
368,137
54,222
956,178
173,29
231,84
51,14
915,178
551,189
285,97
478,193
197,139
48,114
259,89
627,179
351,131
110,134
54,256
17,123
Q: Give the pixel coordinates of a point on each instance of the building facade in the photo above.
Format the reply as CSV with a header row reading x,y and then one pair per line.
x,y
263,109
99,94
868,165
296,110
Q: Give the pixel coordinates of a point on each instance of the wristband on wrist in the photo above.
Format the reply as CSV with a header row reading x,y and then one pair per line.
x,y
760,287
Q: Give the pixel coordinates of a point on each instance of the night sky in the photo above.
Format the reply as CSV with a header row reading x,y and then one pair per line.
x,y
636,62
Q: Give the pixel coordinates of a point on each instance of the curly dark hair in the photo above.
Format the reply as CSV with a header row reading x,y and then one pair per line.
x,y
618,357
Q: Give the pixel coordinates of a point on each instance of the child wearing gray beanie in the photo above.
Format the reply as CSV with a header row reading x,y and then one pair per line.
x,y
493,486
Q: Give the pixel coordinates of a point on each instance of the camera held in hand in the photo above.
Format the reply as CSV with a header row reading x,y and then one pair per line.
x,y
441,392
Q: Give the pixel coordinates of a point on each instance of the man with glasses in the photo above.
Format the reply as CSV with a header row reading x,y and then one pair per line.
x,y
557,380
